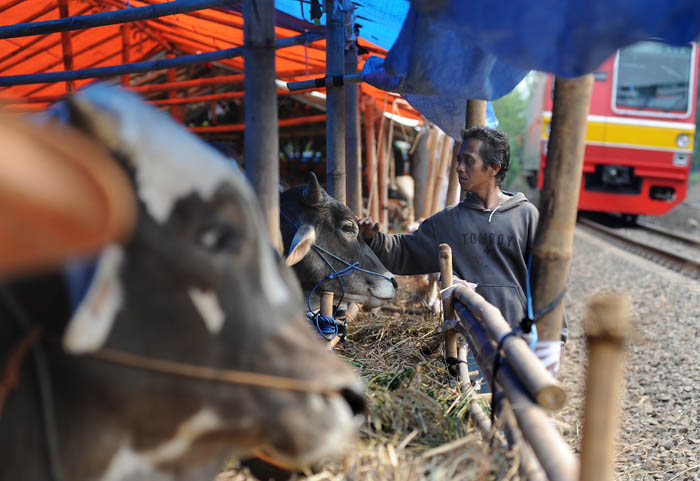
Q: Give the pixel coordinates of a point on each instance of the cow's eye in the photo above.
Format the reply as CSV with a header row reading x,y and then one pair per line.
x,y
219,236
349,228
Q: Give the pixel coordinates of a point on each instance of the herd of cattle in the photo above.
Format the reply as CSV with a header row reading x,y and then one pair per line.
x,y
199,289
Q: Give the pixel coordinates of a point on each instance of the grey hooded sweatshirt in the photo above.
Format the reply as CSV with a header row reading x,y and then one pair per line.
x,y
489,247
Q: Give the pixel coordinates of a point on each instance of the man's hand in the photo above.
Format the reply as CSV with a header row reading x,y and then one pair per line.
x,y
368,228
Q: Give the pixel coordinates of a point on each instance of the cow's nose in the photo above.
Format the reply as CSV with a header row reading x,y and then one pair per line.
x,y
355,399
394,283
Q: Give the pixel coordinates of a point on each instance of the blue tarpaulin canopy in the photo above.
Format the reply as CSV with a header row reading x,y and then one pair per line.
x,y
443,52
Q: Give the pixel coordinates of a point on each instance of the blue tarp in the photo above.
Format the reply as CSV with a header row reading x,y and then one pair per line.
x,y
454,49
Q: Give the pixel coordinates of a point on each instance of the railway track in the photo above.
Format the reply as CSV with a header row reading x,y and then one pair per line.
x,y
678,262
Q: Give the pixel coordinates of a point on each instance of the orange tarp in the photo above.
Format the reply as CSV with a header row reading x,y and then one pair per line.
x,y
181,34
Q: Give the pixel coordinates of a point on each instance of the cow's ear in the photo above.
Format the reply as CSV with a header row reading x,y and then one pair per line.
x,y
312,194
301,243
92,321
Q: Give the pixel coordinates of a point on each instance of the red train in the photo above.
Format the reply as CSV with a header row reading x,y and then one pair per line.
x,y
640,132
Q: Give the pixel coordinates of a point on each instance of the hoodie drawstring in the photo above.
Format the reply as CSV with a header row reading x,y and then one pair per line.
x,y
493,212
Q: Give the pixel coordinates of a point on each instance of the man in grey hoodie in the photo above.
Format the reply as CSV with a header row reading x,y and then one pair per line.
x,y
491,232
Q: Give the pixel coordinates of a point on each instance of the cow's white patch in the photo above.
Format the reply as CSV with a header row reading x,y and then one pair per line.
x,y
130,464
90,325
208,306
169,162
204,421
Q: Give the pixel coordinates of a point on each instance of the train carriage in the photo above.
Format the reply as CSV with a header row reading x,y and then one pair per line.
x,y
641,126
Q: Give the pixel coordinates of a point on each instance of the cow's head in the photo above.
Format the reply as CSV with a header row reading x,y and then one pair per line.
x,y
199,283
309,216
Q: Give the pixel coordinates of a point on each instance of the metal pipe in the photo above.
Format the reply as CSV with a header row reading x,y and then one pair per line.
x,y
335,100
162,64
329,81
107,18
66,45
241,127
261,136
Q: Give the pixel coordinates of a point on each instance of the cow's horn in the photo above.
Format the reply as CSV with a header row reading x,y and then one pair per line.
x,y
301,244
312,194
92,322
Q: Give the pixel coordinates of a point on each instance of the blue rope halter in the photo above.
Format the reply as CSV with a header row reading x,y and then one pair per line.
x,y
327,325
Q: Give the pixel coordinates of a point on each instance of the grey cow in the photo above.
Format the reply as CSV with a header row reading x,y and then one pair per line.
x,y
197,286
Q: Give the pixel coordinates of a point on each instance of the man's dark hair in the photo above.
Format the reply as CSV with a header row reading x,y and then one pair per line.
x,y
495,148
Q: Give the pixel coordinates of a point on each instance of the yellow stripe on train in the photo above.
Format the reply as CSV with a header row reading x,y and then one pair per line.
x,y
632,132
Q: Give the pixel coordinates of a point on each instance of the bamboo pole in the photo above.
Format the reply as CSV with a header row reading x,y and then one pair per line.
x,y
551,450
452,196
529,468
441,173
353,164
446,280
475,115
335,100
66,44
607,328
327,310
540,383
261,120
430,182
562,178
371,160
419,170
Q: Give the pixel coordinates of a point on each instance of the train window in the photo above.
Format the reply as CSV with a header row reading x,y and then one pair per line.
x,y
654,76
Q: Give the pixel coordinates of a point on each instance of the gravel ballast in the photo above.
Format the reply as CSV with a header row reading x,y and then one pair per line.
x,y
660,425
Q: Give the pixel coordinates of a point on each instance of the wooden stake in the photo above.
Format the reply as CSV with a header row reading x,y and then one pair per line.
x,y
562,178
607,328
448,312
475,115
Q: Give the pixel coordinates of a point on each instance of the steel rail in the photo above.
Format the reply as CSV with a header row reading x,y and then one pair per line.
x,y
681,263
669,233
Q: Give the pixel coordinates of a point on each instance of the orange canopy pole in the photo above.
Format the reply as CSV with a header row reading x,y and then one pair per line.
x,y
241,127
66,44
126,51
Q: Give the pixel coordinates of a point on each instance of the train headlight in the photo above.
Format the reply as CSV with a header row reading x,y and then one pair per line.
x,y
683,140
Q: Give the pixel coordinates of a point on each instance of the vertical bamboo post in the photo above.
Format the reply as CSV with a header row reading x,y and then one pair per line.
x,y
327,310
261,134
448,312
475,115
562,178
430,182
452,196
353,167
66,44
441,173
126,51
335,100
607,328
419,170
370,153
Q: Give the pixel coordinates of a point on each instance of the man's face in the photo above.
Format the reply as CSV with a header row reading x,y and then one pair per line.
x,y
472,171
